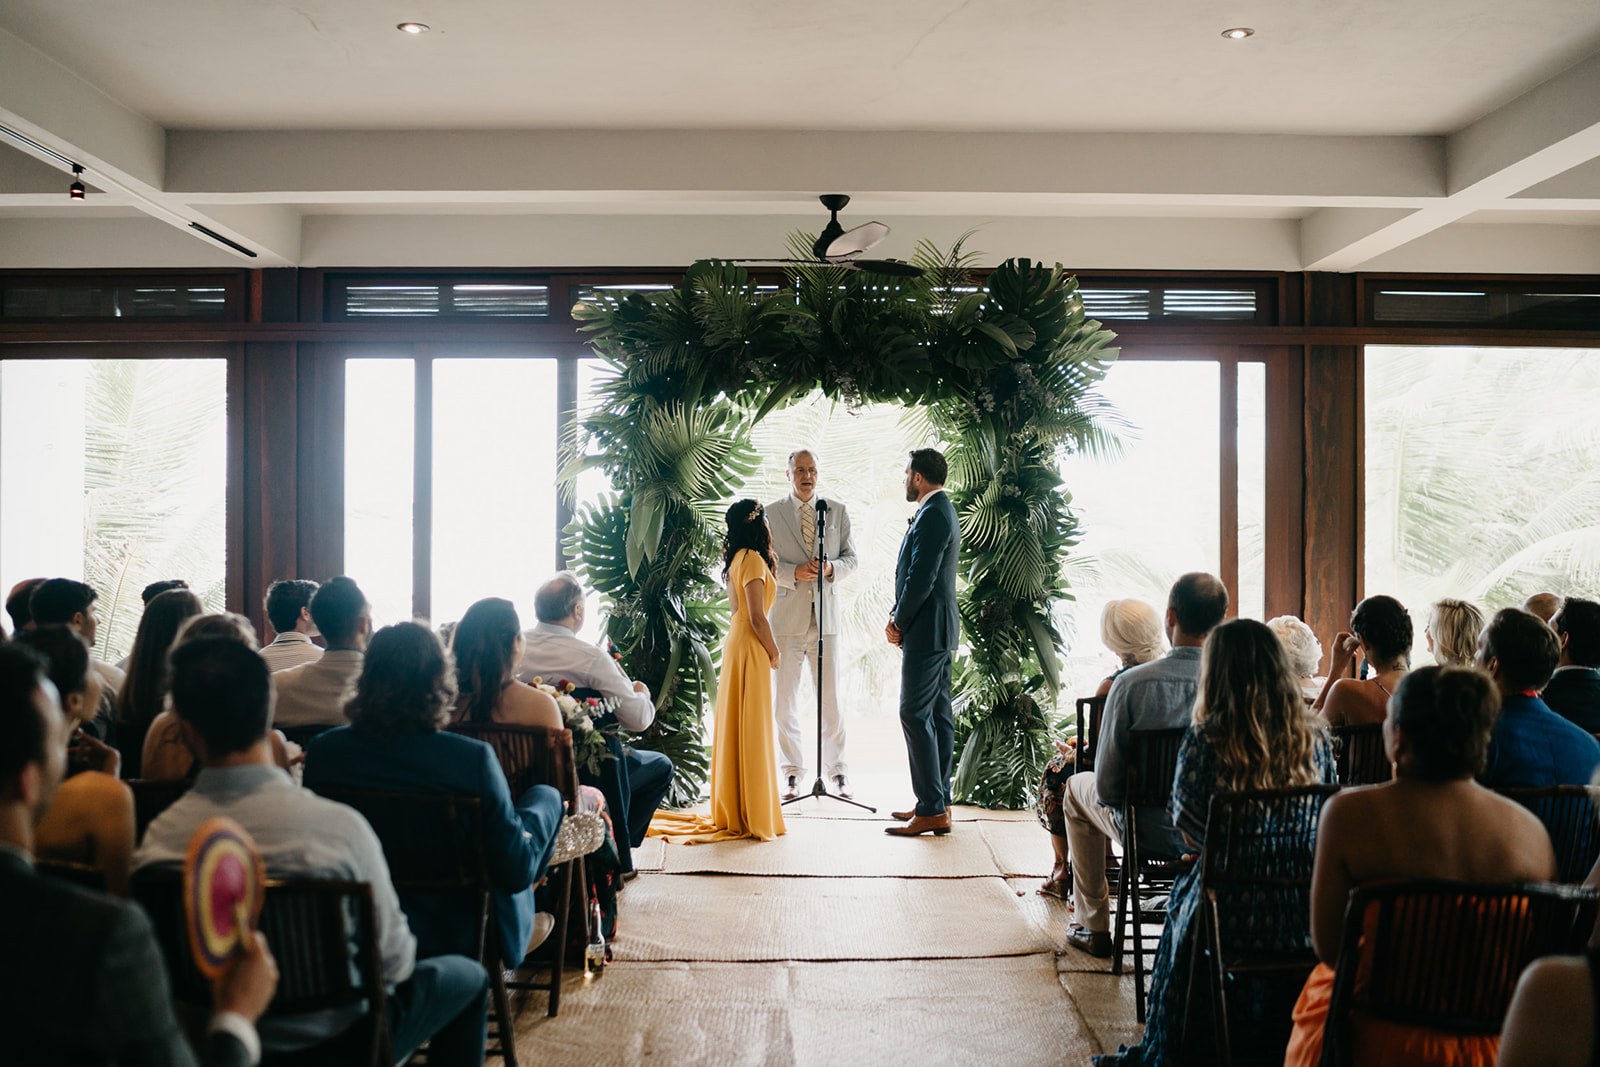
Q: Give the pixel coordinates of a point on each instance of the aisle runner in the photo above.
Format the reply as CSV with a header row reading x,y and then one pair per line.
x,y
741,918
842,848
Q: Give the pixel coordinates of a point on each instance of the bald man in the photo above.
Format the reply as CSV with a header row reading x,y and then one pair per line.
x,y
1544,605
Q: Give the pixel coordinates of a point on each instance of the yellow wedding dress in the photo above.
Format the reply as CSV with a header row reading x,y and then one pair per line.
x,y
744,776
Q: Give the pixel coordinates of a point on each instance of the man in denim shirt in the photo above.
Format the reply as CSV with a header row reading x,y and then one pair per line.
x,y
1152,696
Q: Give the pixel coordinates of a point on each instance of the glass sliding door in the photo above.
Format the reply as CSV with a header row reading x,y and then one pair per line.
x,y
379,446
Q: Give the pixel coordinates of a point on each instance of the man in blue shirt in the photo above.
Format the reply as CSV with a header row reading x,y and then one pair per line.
x,y
1531,745
1152,696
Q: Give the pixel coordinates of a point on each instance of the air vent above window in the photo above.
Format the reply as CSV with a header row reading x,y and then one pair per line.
x,y
1169,304
113,301
1527,305
479,298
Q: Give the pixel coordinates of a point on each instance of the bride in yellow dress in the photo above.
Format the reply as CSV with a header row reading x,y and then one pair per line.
x,y
744,776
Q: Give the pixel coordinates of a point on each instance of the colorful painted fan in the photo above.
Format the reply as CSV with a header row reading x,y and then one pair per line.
x,y
223,880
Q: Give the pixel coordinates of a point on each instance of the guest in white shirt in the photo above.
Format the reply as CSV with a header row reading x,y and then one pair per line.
x,y
288,609
70,602
315,694
554,652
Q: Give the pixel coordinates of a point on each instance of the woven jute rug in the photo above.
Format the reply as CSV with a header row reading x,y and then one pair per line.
x,y
840,848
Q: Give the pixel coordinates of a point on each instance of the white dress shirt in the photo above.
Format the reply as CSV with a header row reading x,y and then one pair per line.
x,y
290,649
554,653
314,694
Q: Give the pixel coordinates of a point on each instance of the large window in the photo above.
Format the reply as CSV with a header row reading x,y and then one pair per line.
x,y
114,472
1482,475
379,446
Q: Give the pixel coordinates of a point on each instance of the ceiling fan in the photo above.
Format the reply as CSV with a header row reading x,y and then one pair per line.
x,y
843,248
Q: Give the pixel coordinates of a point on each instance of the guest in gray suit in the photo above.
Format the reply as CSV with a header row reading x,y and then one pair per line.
x,y
926,627
797,618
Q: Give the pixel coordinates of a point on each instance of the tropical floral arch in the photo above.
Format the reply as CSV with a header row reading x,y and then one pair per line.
x,y
1004,366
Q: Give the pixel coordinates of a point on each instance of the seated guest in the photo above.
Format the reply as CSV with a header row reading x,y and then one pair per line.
x,y
1542,605
315,693
1531,745
1452,631
62,600
1552,1018
145,692
1153,696
166,755
396,743
1131,630
222,693
1300,644
1574,689
554,652
1380,633
90,821
1431,822
487,645
288,608
81,975
17,604
1252,730
150,592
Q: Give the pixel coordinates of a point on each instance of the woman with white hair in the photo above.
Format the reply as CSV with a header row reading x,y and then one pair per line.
x,y
1304,650
1132,630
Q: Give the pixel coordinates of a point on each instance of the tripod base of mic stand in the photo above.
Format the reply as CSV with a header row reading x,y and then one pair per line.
x,y
820,790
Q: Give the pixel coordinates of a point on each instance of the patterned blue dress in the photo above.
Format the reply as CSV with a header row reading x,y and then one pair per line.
x,y
1192,787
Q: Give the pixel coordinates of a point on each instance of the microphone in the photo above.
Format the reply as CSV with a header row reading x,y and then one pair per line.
x,y
822,506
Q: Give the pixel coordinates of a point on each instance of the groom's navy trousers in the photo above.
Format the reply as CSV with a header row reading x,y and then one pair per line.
x,y
925,612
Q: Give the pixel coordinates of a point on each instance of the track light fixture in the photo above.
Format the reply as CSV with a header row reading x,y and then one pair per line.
x,y
75,190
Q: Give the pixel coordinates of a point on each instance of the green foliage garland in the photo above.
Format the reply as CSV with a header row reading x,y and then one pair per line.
x,y
1005,368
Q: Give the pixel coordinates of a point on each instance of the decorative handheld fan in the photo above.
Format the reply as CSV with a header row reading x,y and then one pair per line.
x,y
223,881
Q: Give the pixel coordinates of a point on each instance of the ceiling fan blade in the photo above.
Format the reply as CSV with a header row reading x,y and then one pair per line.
x,y
892,267
851,243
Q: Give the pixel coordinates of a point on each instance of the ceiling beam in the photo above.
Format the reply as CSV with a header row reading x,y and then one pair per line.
x,y
1546,132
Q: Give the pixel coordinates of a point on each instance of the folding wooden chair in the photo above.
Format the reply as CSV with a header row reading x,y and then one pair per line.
x,y
1569,816
1255,912
1089,713
1446,955
1360,754
1152,762
324,937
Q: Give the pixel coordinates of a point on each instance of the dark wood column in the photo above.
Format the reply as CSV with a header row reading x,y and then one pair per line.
x,y
1333,460
267,396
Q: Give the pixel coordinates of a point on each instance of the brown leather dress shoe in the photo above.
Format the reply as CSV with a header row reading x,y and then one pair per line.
x,y
938,825
904,816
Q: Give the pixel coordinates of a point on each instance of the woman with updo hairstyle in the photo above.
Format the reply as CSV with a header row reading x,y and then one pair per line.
x,y
396,743
1380,633
1452,631
1131,630
1431,822
1300,644
744,775
487,643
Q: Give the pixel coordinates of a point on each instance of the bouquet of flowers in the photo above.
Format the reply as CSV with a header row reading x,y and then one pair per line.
x,y
588,740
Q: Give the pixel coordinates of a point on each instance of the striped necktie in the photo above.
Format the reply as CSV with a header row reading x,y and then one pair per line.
x,y
808,527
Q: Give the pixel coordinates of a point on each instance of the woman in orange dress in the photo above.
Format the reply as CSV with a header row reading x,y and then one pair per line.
x,y
1431,822
744,774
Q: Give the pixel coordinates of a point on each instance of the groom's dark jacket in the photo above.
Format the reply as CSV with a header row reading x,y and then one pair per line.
x,y
925,579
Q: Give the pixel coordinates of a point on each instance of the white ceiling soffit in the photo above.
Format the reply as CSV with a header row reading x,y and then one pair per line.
x,y
1345,135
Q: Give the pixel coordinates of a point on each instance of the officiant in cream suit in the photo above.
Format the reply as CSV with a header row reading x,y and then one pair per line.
x,y
797,618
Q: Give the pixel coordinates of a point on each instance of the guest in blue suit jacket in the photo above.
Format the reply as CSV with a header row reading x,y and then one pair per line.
x,y
396,743
926,627
1531,745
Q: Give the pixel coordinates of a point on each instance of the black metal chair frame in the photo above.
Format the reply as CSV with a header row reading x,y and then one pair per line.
x,y
1572,821
302,919
1447,955
1238,866
433,843
1090,711
1152,760
1360,756
529,756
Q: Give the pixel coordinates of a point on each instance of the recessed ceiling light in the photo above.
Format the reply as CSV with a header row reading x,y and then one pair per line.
x,y
412,28
1238,33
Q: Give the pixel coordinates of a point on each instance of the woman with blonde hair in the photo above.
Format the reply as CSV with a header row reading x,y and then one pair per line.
x,y
1131,629
1251,730
1452,632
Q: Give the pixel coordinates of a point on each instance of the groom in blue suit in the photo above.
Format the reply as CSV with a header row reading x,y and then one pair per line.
x,y
925,626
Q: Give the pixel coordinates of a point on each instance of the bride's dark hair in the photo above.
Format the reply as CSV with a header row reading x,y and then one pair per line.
x,y
747,529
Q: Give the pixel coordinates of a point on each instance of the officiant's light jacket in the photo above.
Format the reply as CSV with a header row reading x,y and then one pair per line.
x,y
791,614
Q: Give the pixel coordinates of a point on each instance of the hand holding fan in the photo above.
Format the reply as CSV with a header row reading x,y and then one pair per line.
x,y
223,881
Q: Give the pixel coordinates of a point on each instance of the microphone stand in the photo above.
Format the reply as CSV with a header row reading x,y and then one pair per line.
x,y
819,787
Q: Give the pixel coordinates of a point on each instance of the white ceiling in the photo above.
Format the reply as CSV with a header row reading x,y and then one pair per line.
x,y
1345,135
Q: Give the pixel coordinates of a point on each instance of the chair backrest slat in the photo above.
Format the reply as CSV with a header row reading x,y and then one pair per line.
x,y
529,755
1090,712
1572,821
432,841
1256,864
1361,759
1152,763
